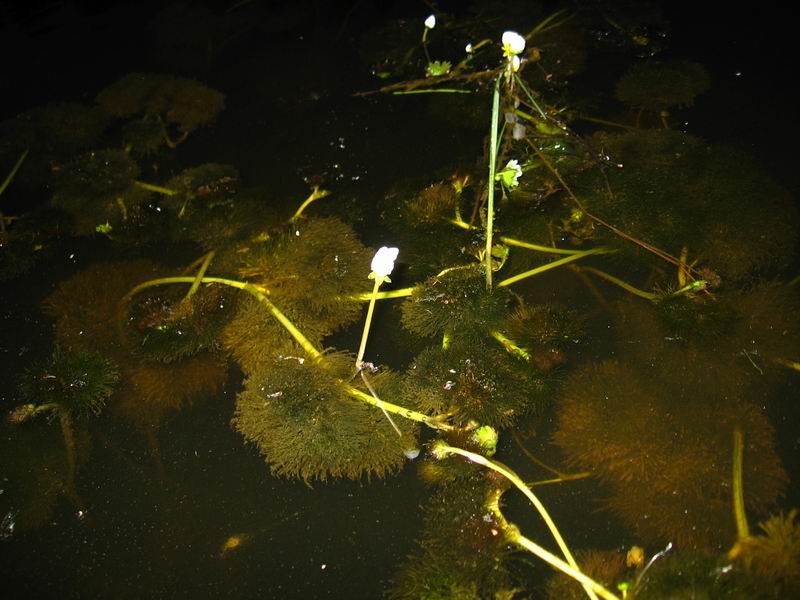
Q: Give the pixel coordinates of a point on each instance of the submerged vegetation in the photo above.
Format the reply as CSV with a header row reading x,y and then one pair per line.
x,y
488,319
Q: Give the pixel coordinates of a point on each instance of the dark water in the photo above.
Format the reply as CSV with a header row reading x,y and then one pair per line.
x,y
288,79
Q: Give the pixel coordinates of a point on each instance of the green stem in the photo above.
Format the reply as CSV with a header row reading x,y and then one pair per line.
x,y
72,458
492,169
368,322
528,93
259,294
458,222
432,422
619,282
256,291
514,536
432,91
401,293
548,249
155,188
14,170
555,264
425,44
510,346
441,449
315,194
200,273
545,24
606,122
742,529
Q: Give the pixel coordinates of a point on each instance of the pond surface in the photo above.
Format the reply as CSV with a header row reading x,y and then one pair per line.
x,y
631,384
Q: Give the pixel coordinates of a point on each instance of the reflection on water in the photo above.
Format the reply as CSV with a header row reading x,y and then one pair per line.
x,y
187,256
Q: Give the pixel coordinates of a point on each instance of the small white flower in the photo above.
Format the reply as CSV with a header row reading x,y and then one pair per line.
x,y
383,261
513,43
430,22
510,175
515,63
468,49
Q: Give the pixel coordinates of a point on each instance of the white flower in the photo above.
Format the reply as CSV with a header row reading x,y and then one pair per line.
x,y
468,48
513,43
430,22
383,261
515,63
510,175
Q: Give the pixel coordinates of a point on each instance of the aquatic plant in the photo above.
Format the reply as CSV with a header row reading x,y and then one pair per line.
x,y
475,381
68,128
86,306
254,341
99,187
546,332
433,305
313,266
432,204
607,567
307,426
460,554
657,86
697,574
502,476
775,553
35,473
71,386
78,383
666,454
656,197
197,190
165,325
180,105
149,391
751,331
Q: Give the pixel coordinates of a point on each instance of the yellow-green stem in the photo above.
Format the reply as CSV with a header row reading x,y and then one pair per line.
x,y
555,264
72,457
155,188
742,529
514,536
510,346
362,348
315,194
433,422
401,293
256,291
259,294
492,170
442,448
13,171
789,364
200,274
618,282
548,249
458,222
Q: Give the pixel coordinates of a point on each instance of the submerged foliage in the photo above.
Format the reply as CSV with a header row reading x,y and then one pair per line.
x,y
307,427
86,307
474,382
775,553
77,382
673,191
661,85
457,303
666,454
168,326
178,103
152,390
314,265
461,554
